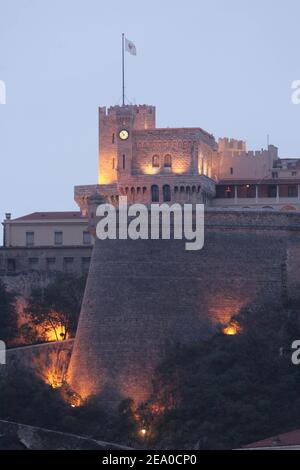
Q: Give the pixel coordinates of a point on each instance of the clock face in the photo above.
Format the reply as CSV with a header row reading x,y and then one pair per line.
x,y
123,134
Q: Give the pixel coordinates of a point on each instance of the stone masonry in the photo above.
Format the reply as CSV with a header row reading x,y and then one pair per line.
x,y
143,296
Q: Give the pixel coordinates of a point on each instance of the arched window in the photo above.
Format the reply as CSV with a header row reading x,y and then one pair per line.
x,y
155,161
166,193
144,189
167,161
154,193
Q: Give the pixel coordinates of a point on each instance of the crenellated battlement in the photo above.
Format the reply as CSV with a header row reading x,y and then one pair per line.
x,y
233,145
143,115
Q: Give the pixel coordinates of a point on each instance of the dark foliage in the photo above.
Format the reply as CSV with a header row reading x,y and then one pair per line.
x,y
8,316
57,304
222,393
231,390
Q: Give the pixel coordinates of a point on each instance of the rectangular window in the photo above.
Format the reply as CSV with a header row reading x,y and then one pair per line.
x,y
231,171
29,238
33,263
113,138
68,265
113,163
292,190
87,238
272,190
58,238
85,264
294,173
11,265
274,174
223,192
51,264
123,162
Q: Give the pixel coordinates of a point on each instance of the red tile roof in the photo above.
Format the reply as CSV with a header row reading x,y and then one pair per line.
x,y
291,438
52,216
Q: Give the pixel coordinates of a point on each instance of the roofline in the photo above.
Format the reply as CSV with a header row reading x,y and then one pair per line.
x,y
44,216
176,129
258,182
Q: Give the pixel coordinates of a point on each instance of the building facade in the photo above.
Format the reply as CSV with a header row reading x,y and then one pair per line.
x,y
46,241
152,165
149,164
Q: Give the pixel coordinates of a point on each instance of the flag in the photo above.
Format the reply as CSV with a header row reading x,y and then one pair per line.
x,y
130,47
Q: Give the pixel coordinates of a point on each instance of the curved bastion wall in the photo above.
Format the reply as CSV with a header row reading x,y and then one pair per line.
x,y
144,295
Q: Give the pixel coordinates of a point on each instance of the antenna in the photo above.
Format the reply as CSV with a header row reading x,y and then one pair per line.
x,y
123,72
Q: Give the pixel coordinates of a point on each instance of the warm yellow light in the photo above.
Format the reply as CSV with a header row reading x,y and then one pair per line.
x,y
149,170
143,432
232,329
53,377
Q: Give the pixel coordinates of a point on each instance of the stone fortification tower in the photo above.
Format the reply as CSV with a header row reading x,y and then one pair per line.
x,y
144,295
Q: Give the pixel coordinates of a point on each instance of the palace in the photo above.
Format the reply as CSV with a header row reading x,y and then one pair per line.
x,y
149,164
144,296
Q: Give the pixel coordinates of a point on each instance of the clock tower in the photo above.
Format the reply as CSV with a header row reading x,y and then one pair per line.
x,y
125,126
117,126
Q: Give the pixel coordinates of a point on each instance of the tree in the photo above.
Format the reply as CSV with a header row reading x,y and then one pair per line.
x,y
230,390
56,307
8,315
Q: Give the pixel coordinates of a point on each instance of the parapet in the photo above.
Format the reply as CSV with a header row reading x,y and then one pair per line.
x,y
231,144
144,115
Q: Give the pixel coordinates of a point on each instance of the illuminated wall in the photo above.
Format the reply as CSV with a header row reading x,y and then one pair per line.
x,y
143,296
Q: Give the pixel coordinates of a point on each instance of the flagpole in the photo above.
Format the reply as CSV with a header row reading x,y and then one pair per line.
x,y
123,72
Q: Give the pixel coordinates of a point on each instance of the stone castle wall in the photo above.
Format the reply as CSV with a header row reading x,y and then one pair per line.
x,y
191,150
49,361
23,257
184,146
142,296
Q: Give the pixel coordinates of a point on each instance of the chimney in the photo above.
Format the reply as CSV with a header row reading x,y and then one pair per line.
x,y
7,216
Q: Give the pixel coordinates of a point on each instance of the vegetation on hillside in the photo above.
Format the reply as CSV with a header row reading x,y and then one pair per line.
x,y
230,390
52,312
8,316
222,393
